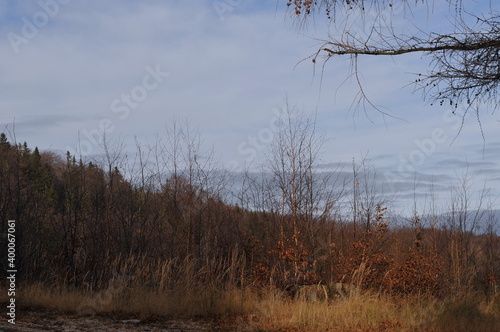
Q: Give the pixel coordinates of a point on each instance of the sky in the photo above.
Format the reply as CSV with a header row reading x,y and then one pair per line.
x,y
71,69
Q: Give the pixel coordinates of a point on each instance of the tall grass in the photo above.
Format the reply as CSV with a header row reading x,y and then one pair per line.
x,y
219,289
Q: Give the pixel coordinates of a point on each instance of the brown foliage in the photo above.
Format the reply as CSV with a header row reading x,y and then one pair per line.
x,y
418,273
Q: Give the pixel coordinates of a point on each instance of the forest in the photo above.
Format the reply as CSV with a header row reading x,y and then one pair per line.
x,y
170,233
118,216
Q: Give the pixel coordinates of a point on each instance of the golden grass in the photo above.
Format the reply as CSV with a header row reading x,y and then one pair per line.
x,y
214,290
362,312
271,310
61,298
195,302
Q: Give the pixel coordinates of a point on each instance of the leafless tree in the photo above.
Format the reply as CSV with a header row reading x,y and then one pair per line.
x,y
304,195
292,161
464,61
464,220
194,184
367,196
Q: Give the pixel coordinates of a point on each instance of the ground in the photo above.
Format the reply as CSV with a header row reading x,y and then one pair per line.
x,y
31,321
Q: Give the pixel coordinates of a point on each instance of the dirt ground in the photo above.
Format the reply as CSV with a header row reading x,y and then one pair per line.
x,y
31,321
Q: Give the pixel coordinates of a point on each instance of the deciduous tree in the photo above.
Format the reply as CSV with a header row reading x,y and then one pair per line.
x,y
464,55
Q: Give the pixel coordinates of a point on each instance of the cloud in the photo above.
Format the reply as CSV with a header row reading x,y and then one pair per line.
x,y
228,76
43,122
461,164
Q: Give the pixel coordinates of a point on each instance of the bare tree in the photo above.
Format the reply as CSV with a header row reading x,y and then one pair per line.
x,y
304,196
195,183
465,61
367,196
464,221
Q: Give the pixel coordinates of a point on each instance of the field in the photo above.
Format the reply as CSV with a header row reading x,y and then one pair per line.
x,y
247,310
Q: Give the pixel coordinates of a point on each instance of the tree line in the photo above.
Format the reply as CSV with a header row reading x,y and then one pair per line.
x,y
288,222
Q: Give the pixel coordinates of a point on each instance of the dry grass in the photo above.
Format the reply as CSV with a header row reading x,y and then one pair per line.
x,y
360,312
61,298
273,311
468,313
216,290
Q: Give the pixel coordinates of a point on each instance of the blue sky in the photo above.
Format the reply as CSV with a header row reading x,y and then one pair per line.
x,y
67,68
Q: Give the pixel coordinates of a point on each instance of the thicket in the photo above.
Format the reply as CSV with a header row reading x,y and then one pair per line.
x,y
80,224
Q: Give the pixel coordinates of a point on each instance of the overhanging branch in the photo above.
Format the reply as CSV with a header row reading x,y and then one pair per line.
x,y
344,49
